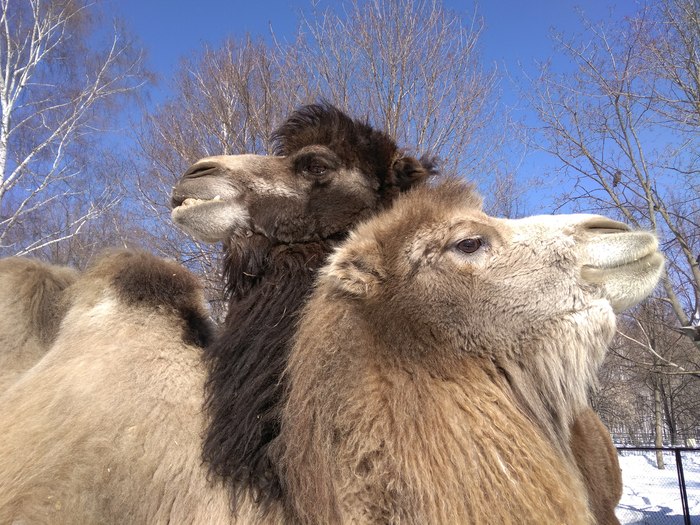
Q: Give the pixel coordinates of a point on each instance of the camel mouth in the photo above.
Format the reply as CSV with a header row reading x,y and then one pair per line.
x,y
628,283
189,202
649,263
610,251
210,220
185,208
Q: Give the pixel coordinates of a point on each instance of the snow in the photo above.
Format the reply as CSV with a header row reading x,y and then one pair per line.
x,y
652,496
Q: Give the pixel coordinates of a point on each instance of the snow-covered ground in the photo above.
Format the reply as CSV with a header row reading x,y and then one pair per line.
x,y
652,496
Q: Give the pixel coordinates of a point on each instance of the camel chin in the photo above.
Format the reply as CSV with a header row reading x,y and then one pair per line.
x,y
626,266
211,220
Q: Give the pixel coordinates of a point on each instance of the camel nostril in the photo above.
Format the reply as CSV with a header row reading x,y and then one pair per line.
x,y
176,201
200,170
601,225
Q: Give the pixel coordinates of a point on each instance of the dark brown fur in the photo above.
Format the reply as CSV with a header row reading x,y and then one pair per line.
x,y
144,281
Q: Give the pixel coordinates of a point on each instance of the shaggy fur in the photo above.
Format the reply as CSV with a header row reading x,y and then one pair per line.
x,y
442,358
32,309
116,415
106,428
272,254
332,172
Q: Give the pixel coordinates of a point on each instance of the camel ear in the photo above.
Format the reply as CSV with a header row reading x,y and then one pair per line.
x,y
355,269
410,172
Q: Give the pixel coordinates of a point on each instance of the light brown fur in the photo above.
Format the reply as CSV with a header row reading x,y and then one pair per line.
x,y
428,385
31,309
107,427
376,429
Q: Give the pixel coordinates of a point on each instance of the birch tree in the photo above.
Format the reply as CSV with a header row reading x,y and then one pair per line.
x,y
61,84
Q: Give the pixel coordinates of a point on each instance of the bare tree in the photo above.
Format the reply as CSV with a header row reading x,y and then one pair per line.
x,y
621,117
622,120
649,381
412,67
673,53
59,86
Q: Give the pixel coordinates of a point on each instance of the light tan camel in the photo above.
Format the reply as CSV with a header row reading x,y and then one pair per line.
x,y
106,428
442,358
32,309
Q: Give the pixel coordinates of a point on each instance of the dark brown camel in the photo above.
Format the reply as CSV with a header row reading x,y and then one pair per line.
x,y
278,217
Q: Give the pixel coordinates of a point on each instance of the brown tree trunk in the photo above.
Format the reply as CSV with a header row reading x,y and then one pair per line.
x,y
658,426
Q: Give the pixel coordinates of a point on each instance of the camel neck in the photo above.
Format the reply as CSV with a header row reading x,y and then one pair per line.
x,y
364,434
245,365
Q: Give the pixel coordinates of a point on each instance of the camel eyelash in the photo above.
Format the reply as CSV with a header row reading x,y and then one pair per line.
x,y
304,162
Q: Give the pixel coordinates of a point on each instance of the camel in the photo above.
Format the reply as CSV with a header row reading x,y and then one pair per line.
x,y
279,217
271,259
106,427
442,358
32,311
340,162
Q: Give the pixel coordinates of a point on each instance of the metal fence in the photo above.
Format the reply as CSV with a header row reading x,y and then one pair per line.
x,y
654,496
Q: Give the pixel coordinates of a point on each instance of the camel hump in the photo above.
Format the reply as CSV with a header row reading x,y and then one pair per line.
x,y
37,286
142,280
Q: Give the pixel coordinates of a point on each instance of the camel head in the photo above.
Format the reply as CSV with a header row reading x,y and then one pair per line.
x,y
330,172
445,267
435,276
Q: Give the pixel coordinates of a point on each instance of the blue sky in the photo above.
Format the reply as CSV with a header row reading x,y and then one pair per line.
x,y
516,36
516,31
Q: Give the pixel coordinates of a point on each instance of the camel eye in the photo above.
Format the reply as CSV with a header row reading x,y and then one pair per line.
x,y
316,168
469,245
316,162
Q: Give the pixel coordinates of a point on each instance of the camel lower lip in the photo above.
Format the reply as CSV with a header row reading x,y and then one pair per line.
x,y
647,259
649,262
